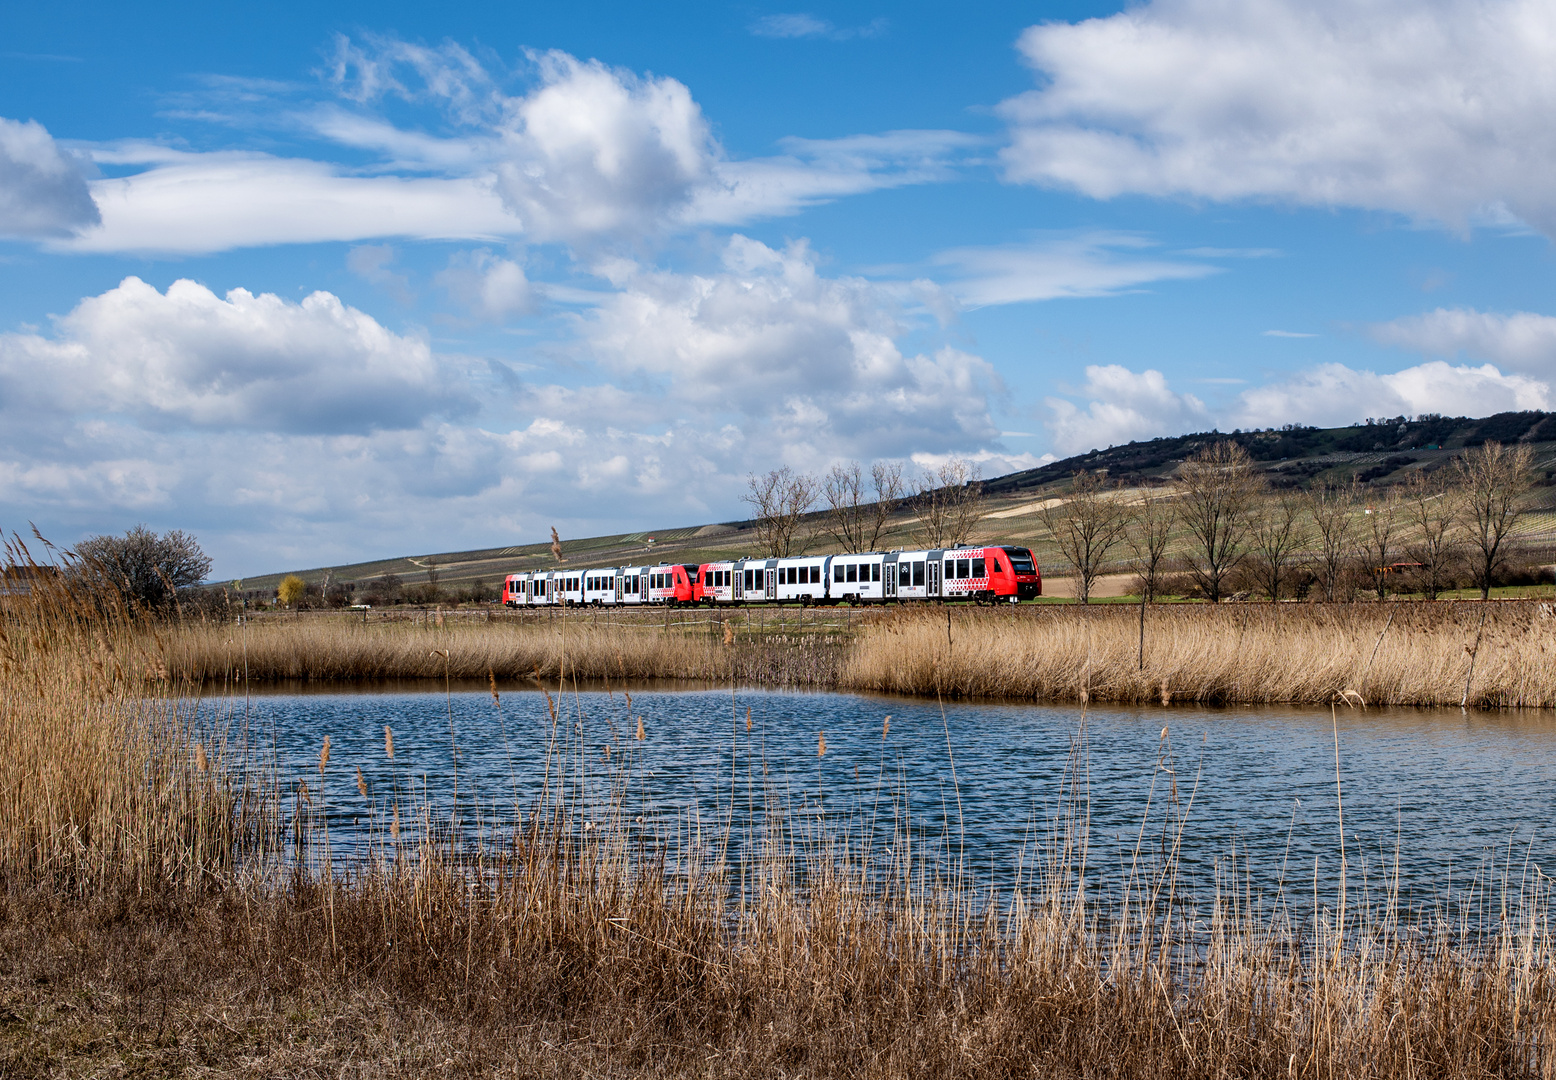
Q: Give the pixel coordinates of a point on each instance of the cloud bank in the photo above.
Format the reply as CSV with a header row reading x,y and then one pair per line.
x,y
1437,110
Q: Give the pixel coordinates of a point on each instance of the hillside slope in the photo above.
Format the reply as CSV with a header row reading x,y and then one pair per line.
x,y
1378,452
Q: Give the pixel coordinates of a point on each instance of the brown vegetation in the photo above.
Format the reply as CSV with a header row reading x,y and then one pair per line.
x,y
1389,654
150,923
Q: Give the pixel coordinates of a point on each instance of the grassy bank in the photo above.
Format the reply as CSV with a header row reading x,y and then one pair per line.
x,y
1491,656
171,908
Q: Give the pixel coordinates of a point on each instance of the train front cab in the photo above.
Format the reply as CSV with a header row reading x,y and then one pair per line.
x,y
1015,576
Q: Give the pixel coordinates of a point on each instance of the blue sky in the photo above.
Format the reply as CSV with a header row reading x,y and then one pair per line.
x,y
324,286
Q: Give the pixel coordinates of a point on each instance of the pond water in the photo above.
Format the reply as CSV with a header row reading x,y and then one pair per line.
x,y
1451,794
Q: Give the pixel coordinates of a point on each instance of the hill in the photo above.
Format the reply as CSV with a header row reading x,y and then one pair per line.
x,y
1380,451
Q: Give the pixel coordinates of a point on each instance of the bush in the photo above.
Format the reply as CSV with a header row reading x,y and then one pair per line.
x,y
291,590
145,569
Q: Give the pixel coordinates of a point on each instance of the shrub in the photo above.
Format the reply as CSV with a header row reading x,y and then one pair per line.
x,y
146,570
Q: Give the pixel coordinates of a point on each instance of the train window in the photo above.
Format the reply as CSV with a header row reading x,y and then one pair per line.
x,y
980,568
851,572
964,568
918,573
905,573
875,571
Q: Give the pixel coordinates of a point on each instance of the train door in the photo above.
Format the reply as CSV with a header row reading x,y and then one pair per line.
x,y
739,577
772,584
934,577
643,588
621,586
889,577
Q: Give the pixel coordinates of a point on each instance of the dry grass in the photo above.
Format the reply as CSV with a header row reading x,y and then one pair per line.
x,y
1388,654
581,942
576,647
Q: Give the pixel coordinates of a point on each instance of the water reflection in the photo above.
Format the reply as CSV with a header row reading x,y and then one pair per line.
x,y
1450,793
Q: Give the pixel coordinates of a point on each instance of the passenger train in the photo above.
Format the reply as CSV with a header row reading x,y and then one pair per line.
x,y
980,574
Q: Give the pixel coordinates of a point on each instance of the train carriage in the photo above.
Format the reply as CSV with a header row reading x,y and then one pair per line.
x,y
599,587
858,578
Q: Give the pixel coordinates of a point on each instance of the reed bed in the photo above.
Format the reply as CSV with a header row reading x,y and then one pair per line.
x,y
343,651
1482,656
573,938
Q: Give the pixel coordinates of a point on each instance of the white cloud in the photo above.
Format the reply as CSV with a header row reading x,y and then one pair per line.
x,y
1089,264
800,25
489,285
1288,334
1522,340
1123,405
1437,110
590,154
201,203
42,189
1333,395
190,359
294,434
809,362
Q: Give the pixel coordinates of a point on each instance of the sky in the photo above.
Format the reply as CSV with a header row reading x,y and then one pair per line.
x,y
327,283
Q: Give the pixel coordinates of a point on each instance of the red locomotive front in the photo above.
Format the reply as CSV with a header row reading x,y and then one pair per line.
x,y
1013,573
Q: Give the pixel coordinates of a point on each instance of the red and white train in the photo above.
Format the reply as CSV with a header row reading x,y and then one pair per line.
x,y
981,574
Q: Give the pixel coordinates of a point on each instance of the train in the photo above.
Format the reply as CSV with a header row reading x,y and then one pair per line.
x,y
975,574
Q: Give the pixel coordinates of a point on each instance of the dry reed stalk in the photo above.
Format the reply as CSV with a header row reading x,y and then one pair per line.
x,y
1246,654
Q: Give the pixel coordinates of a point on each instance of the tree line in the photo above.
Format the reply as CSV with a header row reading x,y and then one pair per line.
x,y
1433,531
946,503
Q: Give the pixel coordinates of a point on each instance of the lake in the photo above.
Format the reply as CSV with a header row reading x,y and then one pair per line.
x,y
1450,793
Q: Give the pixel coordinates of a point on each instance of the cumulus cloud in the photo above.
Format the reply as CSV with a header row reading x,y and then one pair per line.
x,y
1333,394
809,362
1521,340
1049,268
188,359
42,189
1436,110
1122,405
488,285
284,432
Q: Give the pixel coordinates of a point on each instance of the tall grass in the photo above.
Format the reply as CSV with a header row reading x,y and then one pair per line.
x,y
573,938
1486,656
575,647
98,780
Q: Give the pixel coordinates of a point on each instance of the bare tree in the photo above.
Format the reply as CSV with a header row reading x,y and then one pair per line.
x,y
1218,487
1333,510
1379,542
145,569
1279,535
1087,525
1432,508
780,499
1493,479
1149,529
886,478
853,521
949,504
